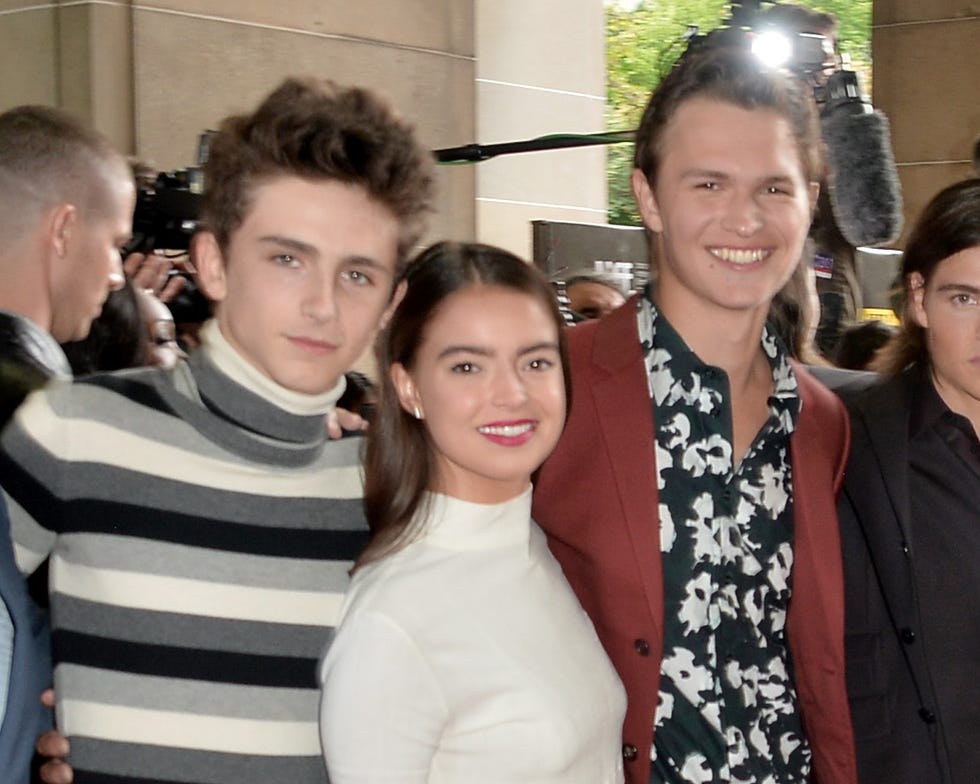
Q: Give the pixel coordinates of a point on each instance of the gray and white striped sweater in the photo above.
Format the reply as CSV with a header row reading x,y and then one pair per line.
x,y
200,539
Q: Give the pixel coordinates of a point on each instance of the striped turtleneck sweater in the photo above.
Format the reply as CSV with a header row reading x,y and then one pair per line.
x,y
200,527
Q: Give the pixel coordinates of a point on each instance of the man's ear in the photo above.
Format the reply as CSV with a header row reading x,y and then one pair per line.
x,y
814,195
396,297
405,388
209,262
61,228
646,201
916,295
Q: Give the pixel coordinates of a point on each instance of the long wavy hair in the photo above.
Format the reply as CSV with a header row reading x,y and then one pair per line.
x,y
399,460
950,223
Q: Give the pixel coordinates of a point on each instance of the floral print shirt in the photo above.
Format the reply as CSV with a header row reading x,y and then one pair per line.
x,y
727,709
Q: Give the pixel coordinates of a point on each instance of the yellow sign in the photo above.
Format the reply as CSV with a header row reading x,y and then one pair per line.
x,y
880,314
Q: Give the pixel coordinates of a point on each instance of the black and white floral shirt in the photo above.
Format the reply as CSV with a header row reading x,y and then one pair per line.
x,y
727,709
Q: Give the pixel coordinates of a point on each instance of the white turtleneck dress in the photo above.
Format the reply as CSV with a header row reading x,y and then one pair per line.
x,y
466,658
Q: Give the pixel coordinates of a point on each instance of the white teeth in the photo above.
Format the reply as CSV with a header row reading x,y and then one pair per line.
x,y
739,255
507,431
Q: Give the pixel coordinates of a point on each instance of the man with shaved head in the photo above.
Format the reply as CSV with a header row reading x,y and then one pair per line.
x,y
66,206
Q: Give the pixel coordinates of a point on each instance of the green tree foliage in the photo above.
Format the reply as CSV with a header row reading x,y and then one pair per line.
x,y
643,43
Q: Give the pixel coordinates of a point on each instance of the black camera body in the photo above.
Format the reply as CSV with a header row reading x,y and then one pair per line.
x,y
166,214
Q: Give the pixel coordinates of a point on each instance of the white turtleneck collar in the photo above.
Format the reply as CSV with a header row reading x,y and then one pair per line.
x,y
463,525
230,362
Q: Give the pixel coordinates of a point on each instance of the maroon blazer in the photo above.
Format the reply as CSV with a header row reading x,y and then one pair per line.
x,y
596,498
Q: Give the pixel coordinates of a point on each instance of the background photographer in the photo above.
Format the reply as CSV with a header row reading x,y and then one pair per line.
x,y
861,190
827,252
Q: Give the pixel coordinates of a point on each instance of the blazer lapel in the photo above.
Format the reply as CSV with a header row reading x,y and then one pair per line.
x,y
888,443
625,412
878,484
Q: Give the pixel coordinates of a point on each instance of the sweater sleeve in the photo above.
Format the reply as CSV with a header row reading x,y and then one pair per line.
x,y
31,472
382,711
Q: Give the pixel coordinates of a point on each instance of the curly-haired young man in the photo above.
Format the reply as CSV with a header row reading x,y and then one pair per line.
x,y
199,524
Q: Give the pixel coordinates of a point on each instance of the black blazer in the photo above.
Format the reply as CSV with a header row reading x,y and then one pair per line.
x,y
900,736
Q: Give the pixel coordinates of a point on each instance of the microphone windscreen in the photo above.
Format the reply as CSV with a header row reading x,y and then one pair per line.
x,y
865,192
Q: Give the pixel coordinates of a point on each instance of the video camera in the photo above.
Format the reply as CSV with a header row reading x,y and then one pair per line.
x,y
771,36
167,208
774,36
166,214
863,185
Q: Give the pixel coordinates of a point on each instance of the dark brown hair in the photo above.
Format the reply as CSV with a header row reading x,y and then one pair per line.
x,y
950,223
733,75
399,460
315,129
793,318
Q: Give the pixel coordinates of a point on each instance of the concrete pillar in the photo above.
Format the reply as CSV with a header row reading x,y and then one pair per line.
x,y
926,66
540,71
154,74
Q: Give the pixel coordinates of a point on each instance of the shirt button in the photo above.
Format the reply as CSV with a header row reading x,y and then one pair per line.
x,y
927,716
629,752
642,647
907,635
905,547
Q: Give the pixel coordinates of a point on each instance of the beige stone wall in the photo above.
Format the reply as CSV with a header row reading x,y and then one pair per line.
x,y
155,73
540,71
28,53
927,80
196,61
152,75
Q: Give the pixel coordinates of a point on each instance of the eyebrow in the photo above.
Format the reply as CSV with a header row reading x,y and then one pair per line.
x,y
367,261
304,247
712,174
959,287
289,242
486,352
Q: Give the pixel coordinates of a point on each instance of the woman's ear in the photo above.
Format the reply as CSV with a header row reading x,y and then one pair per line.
x,y
813,193
209,262
408,395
